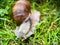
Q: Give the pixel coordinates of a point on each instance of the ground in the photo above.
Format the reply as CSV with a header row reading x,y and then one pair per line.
x,y
47,30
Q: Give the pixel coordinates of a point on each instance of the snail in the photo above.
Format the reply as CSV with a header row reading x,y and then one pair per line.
x,y
25,18
21,11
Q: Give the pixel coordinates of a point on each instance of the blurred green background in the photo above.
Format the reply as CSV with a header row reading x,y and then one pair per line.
x,y
47,30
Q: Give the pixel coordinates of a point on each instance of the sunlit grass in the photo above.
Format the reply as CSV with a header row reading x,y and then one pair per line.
x,y
47,30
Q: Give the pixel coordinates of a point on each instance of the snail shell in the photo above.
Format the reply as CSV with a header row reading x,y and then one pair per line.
x,y
21,11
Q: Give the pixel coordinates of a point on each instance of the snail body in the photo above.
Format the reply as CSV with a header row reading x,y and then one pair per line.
x,y
21,11
27,28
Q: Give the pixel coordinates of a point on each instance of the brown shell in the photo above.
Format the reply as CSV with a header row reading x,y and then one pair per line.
x,y
21,11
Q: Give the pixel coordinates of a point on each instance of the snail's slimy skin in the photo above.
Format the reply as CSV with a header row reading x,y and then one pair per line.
x,y
27,28
21,11
23,29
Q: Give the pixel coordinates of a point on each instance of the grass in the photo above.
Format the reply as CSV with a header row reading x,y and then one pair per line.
x,y
47,30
